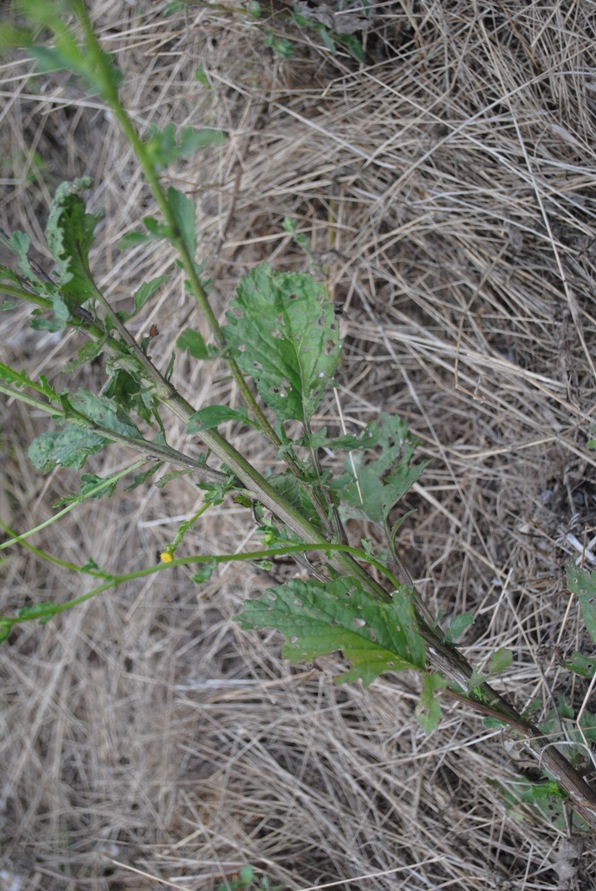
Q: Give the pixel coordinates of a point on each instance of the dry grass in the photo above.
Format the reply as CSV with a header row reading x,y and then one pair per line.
x,y
447,188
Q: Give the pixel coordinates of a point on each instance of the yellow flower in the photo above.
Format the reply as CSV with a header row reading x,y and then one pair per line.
x,y
166,557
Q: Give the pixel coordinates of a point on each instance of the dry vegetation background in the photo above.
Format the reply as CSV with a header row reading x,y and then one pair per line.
x,y
446,187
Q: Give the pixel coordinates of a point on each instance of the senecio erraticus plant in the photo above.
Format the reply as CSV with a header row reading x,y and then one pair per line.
x,y
281,340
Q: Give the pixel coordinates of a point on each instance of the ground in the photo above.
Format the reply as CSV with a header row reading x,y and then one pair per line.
x,y
443,182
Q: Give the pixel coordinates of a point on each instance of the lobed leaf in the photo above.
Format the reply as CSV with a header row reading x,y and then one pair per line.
x,y
428,710
67,54
282,332
184,213
69,234
319,618
103,412
583,584
166,146
582,665
214,415
69,447
193,342
381,482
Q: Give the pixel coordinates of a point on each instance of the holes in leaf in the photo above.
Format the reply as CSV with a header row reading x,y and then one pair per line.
x,y
390,664
321,320
276,333
271,595
294,639
297,602
257,366
329,347
242,348
359,623
283,389
236,312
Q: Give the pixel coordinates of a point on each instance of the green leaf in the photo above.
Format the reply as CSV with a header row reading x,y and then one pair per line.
x,y
33,611
184,213
132,239
193,140
282,333
69,447
19,244
582,665
103,412
193,342
87,353
92,487
201,77
294,491
458,626
140,478
166,146
144,293
214,415
280,45
499,661
583,584
69,234
380,483
319,618
204,572
428,710
67,55
125,391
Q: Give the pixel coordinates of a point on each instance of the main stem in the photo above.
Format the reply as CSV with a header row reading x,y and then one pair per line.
x,y
442,656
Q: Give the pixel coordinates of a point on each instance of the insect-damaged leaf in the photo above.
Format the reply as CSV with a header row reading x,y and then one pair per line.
x,y
319,618
282,332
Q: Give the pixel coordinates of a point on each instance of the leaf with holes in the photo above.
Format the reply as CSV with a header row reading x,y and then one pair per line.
x,y
70,447
582,665
319,618
282,332
382,481
69,234
583,585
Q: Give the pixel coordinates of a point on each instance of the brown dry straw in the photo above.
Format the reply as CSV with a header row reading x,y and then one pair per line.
x,y
446,187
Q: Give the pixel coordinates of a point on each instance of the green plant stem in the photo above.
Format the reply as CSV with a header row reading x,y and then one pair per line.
x,y
152,450
581,794
110,94
112,581
96,490
152,177
442,656
49,558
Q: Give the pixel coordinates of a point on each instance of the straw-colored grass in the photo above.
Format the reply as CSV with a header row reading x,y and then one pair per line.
x,y
447,187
